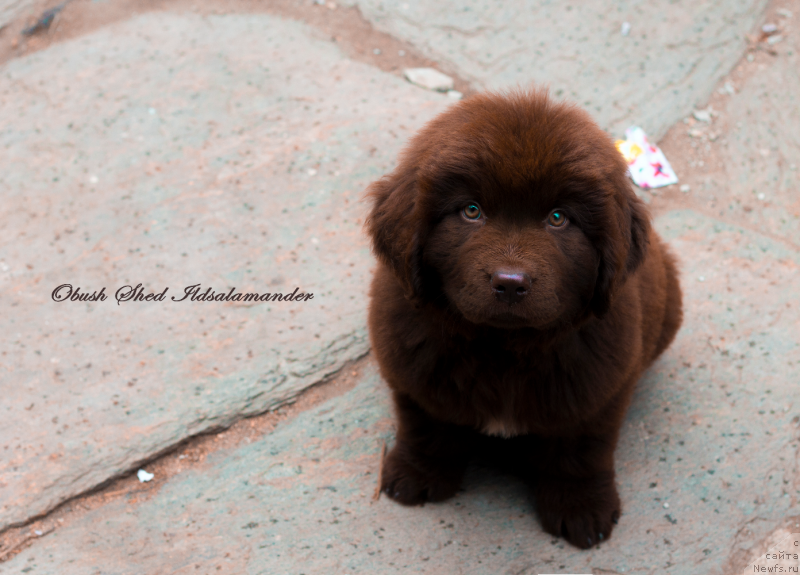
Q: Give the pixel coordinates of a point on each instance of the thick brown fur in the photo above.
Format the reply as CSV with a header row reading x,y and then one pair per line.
x,y
542,381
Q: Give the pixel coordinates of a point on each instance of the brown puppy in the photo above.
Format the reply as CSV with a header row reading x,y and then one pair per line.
x,y
519,296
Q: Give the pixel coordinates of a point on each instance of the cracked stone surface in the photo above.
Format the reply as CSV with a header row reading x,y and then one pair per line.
x,y
710,443
150,139
671,59
747,161
145,153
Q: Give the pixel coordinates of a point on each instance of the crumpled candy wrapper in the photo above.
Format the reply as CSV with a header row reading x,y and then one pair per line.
x,y
647,165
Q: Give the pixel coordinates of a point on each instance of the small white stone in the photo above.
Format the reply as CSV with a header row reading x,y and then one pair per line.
x,y
143,476
314,241
454,94
769,28
686,188
761,196
151,111
702,115
38,533
312,172
772,40
626,28
377,51
666,505
429,78
728,89
701,279
93,179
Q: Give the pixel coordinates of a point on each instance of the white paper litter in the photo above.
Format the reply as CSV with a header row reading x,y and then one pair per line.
x,y
647,165
143,476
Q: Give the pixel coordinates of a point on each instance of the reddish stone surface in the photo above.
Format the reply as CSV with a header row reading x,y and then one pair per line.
x,y
248,157
149,153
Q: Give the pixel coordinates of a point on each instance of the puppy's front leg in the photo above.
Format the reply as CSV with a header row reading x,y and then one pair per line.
x,y
575,493
428,461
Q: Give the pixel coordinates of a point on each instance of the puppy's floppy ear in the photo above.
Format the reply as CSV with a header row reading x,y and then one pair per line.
x,y
396,227
623,249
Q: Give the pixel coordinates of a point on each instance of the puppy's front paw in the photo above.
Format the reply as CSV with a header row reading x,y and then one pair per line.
x,y
582,512
411,481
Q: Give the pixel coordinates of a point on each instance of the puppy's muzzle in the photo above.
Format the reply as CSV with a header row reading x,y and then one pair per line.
x,y
511,286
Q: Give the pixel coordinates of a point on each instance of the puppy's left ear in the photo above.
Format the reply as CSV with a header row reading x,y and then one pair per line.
x,y
396,228
624,249
636,230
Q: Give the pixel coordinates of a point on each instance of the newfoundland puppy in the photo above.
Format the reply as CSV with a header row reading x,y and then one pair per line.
x,y
519,296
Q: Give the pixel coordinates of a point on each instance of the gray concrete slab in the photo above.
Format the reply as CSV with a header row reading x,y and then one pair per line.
x,y
172,150
708,453
672,57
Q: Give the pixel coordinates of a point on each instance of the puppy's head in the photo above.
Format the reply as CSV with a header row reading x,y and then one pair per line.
x,y
512,209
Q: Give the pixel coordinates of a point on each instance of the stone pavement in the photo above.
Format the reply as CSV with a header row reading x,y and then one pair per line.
x,y
127,163
157,150
671,57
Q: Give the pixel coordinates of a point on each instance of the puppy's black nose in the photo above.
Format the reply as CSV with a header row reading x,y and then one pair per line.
x,y
510,286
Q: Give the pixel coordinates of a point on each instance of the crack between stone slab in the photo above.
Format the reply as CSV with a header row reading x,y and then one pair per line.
x,y
106,482
735,539
345,27
465,33
441,61
707,48
228,420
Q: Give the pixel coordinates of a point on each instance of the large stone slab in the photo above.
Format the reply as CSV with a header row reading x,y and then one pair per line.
x,y
707,453
744,166
669,62
174,150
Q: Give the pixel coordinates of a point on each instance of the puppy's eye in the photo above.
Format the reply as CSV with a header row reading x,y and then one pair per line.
x,y
557,218
472,212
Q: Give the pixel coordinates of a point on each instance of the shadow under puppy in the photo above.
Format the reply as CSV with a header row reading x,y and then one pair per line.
x,y
520,294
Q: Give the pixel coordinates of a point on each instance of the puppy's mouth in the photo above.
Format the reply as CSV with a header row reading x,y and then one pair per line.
x,y
507,320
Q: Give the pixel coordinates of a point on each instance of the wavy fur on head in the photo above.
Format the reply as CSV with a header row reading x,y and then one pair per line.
x,y
520,294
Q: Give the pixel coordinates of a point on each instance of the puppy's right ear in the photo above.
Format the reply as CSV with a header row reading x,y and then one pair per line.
x,y
395,227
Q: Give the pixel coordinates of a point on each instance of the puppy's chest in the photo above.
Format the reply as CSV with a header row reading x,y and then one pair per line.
x,y
504,427
506,396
